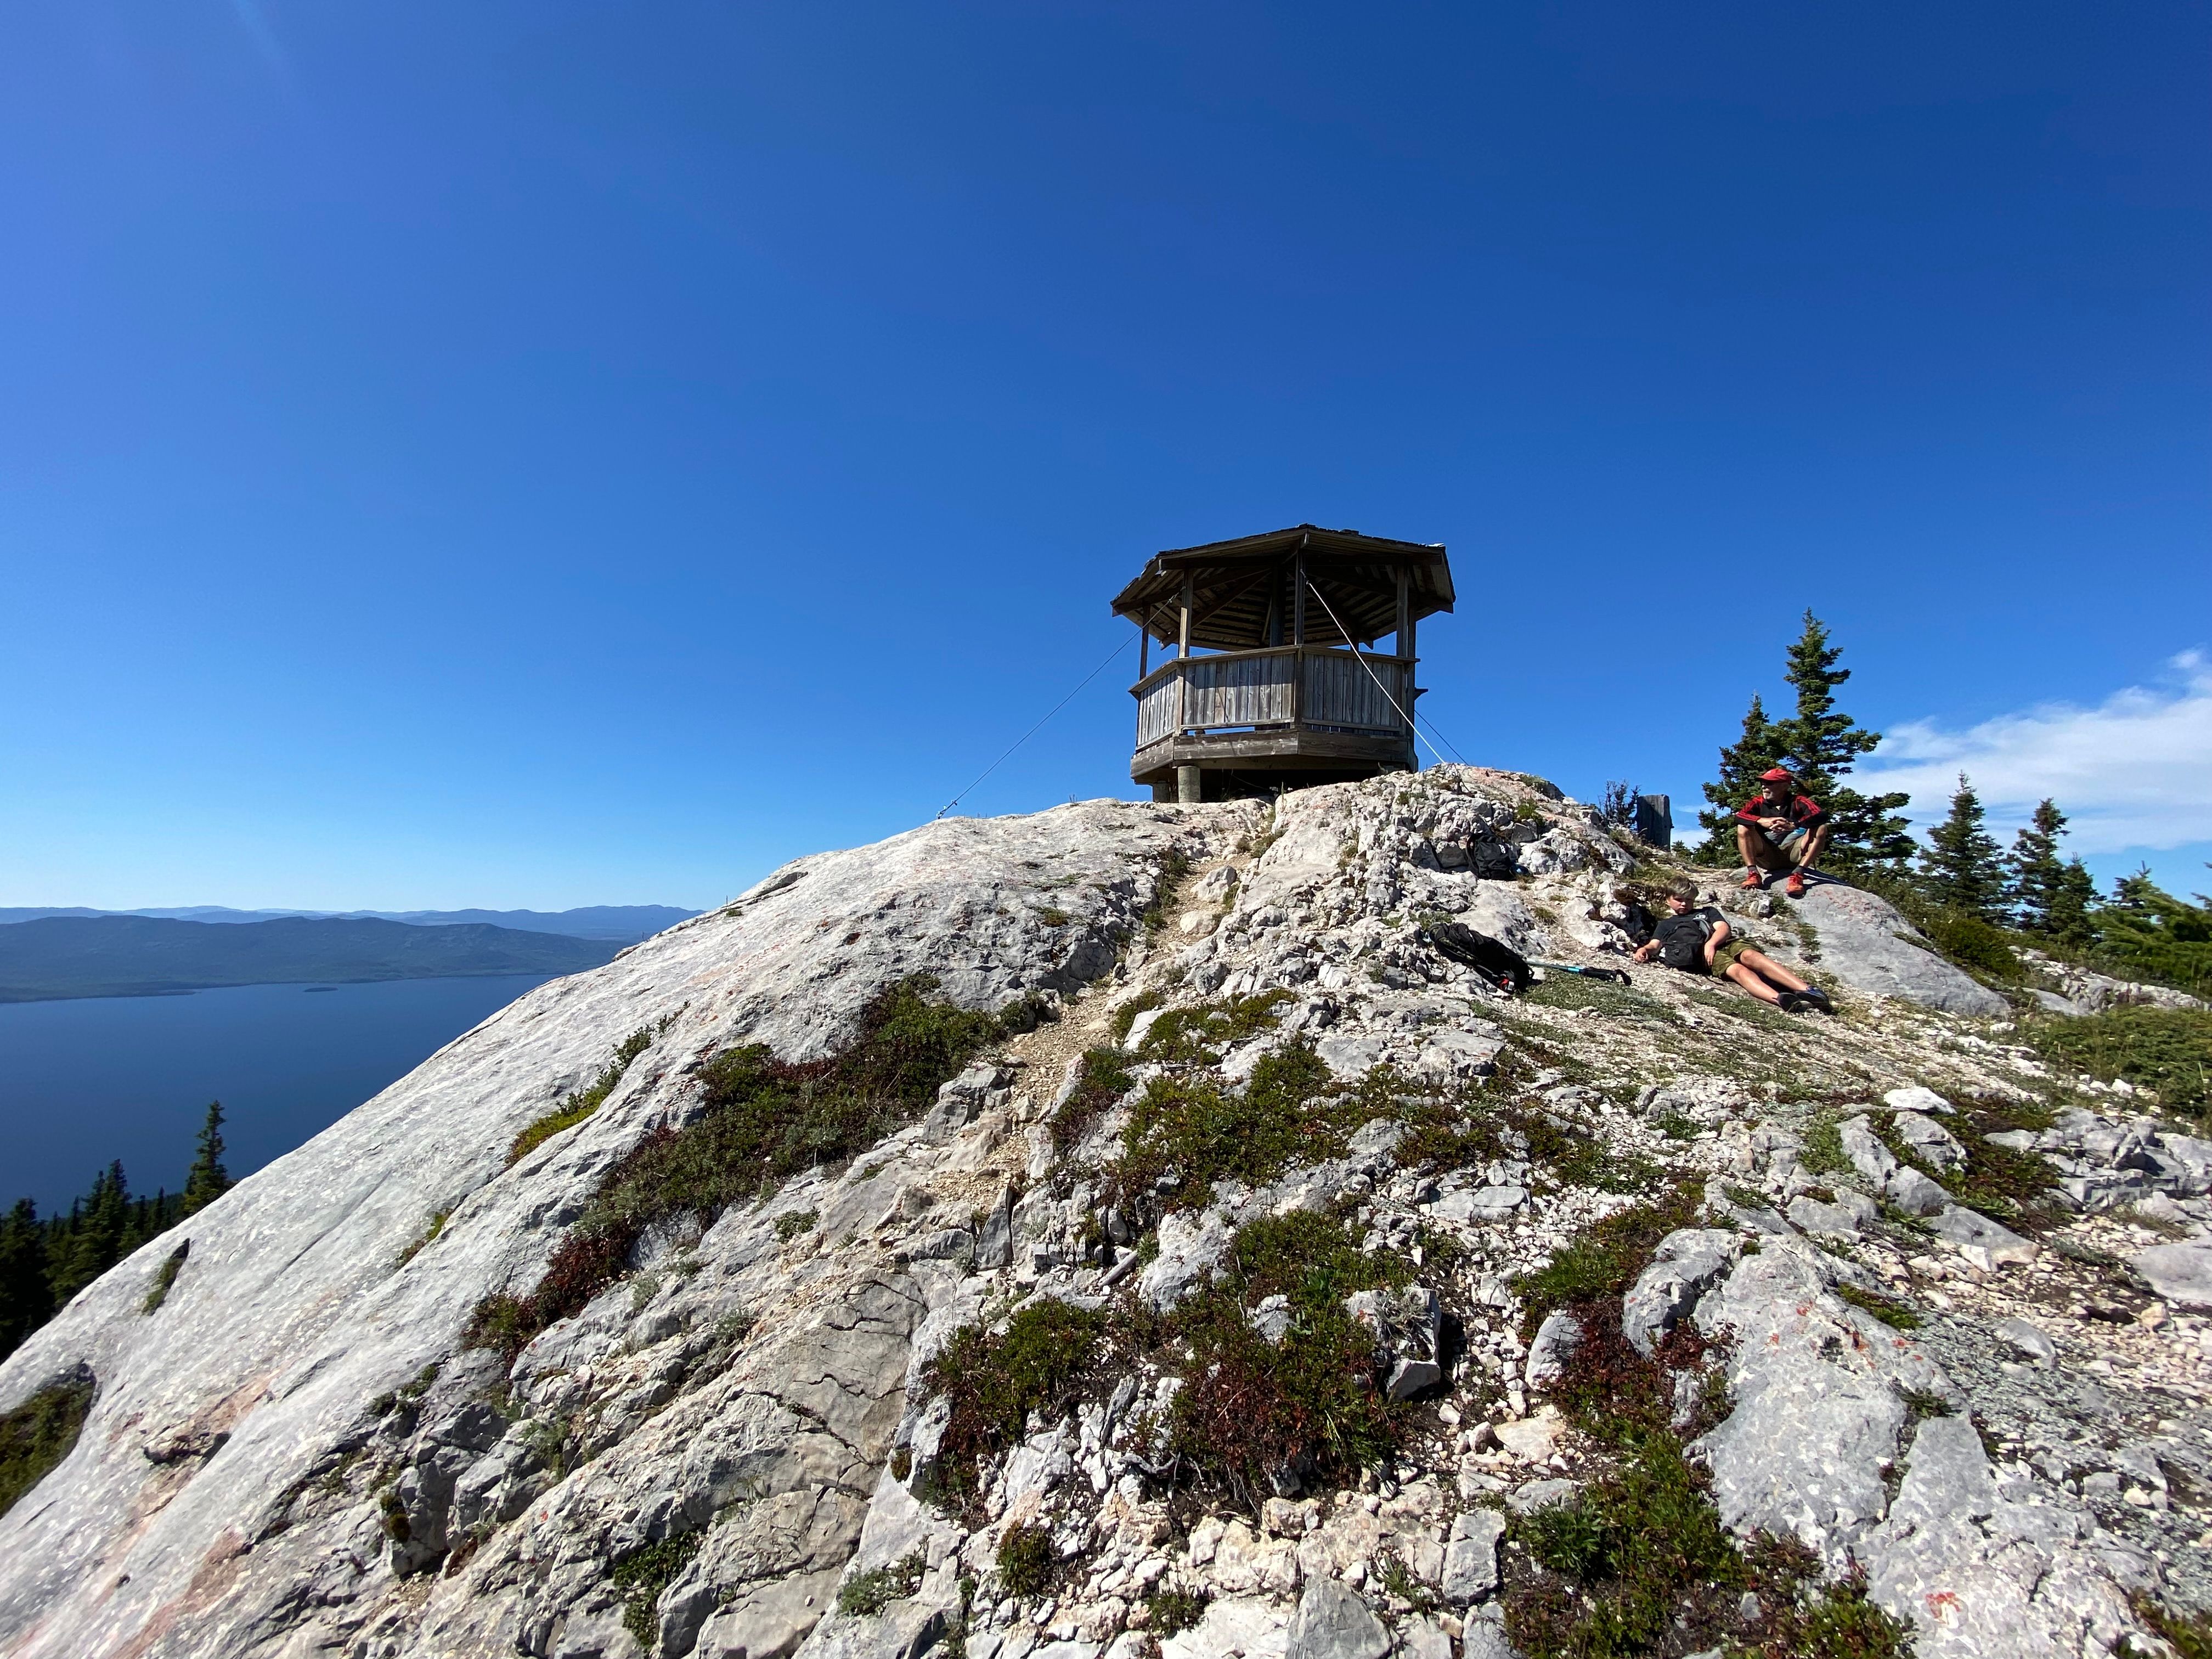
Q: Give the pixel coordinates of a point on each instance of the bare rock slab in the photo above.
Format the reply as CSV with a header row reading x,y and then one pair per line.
x,y
1332,1622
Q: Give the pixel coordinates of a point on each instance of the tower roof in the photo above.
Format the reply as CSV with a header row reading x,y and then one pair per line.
x,y
1357,574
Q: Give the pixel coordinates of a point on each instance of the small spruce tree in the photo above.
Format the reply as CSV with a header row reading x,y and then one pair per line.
x,y
1960,867
2073,913
206,1180
2033,868
1823,745
27,1298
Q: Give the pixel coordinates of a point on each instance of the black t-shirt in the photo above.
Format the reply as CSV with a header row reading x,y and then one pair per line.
x,y
1682,938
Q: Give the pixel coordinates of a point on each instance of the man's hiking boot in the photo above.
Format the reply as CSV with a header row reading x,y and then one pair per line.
x,y
1795,885
1753,879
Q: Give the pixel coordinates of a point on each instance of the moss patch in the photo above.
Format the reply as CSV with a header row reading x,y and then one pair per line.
x,y
575,1108
37,1435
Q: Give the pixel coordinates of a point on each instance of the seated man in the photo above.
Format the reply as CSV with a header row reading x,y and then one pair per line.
x,y
1698,941
1780,830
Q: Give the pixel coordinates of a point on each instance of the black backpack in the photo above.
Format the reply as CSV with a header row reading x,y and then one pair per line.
x,y
1492,859
1685,947
1496,961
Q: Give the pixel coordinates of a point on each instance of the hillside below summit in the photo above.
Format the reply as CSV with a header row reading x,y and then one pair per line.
x,y
1116,1231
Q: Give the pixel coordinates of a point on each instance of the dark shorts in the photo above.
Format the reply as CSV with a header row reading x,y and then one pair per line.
x,y
1724,958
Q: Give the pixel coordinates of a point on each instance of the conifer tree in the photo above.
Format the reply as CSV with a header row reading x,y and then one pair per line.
x,y
1960,866
2047,894
1822,745
206,1180
1741,761
26,1299
2073,904
97,1237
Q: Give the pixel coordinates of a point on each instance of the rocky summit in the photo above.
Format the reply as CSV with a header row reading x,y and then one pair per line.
x,y
1116,1233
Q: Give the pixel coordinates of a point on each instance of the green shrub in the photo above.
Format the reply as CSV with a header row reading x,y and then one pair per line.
x,y
1604,1260
1313,1403
762,1122
1195,1133
1174,1610
1804,1616
1973,945
575,1108
37,1435
1621,1559
865,1595
1125,1016
1105,1078
1203,1032
2167,1049
1027,1562
642,1575
994,1380
788,1227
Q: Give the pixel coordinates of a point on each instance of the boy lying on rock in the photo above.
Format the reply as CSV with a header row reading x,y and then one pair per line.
x,y
1700,941
1780,830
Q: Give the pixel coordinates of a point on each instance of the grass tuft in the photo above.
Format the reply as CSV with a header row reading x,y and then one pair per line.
x,y
1027,1562
2165,1049
642,1575
1895,1315
865,1595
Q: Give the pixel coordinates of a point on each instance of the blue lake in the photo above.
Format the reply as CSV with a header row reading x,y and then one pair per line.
x,y
86,1081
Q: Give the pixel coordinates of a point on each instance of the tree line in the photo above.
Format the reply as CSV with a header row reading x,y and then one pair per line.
x,y
1961,878
46,1260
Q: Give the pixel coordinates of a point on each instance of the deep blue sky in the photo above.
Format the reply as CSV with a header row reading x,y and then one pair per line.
x,y
548,453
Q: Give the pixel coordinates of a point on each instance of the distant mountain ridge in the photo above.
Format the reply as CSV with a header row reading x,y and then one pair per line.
x,y
625,923
52,958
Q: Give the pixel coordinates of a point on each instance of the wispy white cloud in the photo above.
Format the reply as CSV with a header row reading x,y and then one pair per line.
x,y
2135,771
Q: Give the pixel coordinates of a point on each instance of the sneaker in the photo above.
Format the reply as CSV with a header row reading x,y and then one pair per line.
x,y
1795,885
1753,879
1793,1002
1815,997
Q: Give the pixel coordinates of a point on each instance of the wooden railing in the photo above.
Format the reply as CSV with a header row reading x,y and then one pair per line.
x,y
1333,691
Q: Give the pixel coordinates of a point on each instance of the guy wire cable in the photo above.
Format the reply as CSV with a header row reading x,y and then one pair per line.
x,y
1033,731
1372,675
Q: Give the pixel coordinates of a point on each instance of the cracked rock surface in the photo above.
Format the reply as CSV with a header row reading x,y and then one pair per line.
x,y
2000,1421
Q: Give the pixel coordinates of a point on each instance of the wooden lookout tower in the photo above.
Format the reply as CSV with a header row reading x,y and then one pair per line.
x,y
1275,682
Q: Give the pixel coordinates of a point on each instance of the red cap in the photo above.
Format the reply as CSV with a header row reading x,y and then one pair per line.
x,y
1775,774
